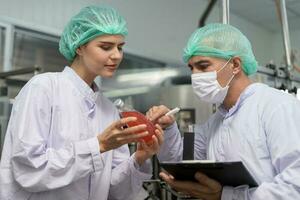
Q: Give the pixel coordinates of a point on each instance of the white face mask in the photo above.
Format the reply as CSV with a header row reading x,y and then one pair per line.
x,y
207,87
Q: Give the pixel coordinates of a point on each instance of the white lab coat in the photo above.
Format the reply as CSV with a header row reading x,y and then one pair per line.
x,y
262,130
51,151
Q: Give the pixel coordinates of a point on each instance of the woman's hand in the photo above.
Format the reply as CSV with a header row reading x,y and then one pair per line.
x,y
115,135
147,150
156,114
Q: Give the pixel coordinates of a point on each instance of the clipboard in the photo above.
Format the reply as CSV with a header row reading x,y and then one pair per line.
x,y
227,173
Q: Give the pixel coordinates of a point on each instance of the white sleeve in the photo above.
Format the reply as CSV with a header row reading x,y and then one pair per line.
x,y
200,142
36,167
283,141
127,176
172,148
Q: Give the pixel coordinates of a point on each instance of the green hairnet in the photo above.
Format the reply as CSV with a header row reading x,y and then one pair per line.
x,y
90,22
221,41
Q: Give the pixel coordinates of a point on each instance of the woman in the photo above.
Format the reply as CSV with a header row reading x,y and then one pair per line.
x,y
65,139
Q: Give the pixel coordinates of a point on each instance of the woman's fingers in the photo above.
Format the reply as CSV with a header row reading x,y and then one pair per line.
x,y
130,136
134,129
155,144
158,127
122,122
159,134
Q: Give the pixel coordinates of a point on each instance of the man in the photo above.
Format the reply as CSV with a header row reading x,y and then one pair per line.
x,y
255,124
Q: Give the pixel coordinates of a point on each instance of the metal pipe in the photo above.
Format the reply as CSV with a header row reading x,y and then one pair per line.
x,y
286,34
206,13
19,71
8,48
1,41
225,11
34,34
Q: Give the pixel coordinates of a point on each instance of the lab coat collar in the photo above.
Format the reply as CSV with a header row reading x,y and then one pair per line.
x,y
244,95
81,85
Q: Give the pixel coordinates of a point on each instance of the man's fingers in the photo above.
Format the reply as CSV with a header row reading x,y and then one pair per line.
x,y
167,178
166,119
194,189
206,181
156,112
182,186
151,111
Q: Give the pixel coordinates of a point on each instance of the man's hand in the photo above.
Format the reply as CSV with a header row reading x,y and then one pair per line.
x,y
156,114
206,188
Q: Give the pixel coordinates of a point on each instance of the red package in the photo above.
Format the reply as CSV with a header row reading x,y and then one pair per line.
x,y
141,119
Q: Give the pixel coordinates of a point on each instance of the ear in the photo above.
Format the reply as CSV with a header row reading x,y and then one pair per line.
x,y
79,50
237,65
